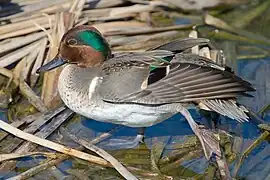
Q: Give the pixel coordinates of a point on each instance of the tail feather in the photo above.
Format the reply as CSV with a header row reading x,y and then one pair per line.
x,y
227,108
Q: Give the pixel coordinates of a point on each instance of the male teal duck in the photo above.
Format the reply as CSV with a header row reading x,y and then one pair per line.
x,y
140,89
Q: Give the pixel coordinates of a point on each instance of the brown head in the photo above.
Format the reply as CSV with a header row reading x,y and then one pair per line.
x,y
83,46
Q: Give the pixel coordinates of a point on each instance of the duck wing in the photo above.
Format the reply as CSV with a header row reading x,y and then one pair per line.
x,y
128,73
189,78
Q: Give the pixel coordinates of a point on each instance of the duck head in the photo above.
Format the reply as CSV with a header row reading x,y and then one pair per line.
x,y
81,45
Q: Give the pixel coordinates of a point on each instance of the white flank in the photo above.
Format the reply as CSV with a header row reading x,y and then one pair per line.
x,y
93,86
167,70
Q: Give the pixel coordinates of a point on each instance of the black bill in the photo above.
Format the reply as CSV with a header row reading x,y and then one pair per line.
x,y
56,62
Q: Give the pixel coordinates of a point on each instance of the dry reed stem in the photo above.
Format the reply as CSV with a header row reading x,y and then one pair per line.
x,y
21,41
24,18
128,11
63,7
46,165
10,75
52,145
114,18
39,61
148,31
82,21
43,6
119,26
28,93
29,119
109,3
30,60
78,11
5,157
16,124
31,172
115,163
25,24
24,31
18,54
40,121
19,68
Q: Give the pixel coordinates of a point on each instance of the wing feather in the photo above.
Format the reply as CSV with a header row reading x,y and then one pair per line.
x,y
187,82
193,80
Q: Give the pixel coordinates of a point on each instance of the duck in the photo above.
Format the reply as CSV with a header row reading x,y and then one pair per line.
x,y
142,88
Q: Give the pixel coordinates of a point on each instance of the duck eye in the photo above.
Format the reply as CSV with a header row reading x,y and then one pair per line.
x,y
72,42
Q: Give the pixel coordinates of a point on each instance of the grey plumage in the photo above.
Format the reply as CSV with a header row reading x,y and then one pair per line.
x,y
185,82
227,108
191,78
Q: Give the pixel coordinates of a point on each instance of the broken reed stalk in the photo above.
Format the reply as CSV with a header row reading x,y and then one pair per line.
x,y
21,41
52,145
24,31
43,6
39,61
29,94
115,163
30,60
117,12
5,157
31,172
148,31
35,117
59,159
18,54
44,132
10,75
13,27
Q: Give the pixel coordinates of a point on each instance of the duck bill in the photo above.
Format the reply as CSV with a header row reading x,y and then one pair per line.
x,y
56,62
